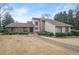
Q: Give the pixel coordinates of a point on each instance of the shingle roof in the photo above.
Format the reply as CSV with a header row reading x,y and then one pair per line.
x,y
36,18
54,22
57,23
29,24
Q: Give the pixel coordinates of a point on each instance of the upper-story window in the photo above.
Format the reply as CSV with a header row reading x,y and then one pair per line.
x,y
36,23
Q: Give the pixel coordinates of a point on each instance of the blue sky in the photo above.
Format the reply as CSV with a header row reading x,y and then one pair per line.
x,y
23,12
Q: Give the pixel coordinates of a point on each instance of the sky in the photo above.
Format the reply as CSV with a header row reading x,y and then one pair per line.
x,y
23,12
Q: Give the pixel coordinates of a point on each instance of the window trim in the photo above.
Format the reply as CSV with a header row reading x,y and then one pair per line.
x,y
36,23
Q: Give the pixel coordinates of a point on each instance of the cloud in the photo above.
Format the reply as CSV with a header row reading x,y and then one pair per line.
x,y
20,14
24,14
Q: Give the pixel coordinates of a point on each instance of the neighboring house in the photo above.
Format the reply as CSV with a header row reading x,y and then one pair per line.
x,y
40,24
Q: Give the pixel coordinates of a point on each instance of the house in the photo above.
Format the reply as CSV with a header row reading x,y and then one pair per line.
x,y
49,25
20,27
40,24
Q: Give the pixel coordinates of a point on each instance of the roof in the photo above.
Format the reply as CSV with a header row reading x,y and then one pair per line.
x,y
36,18
57,23
54,22
28,24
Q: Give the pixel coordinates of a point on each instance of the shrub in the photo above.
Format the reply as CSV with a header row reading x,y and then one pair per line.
x,y
44,33
75,32
0,31
14,33
23,33
51,34
60,34
69,34
5,30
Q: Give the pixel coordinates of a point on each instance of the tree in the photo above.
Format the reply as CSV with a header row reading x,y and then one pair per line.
x,y
7,20
77,14
1,13
4,8
62,17
0,26
58,16
70,17
76,22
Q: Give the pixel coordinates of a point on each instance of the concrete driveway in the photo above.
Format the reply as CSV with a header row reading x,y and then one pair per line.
x,y
55,41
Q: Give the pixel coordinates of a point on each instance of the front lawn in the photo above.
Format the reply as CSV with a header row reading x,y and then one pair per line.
x,y
25,44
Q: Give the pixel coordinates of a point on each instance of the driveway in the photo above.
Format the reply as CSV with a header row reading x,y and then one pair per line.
x,y
61,44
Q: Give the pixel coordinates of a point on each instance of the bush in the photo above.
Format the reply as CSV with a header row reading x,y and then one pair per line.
x,y
14,33
60,34
5,30
69,34
0,31
24,33
75,32
44,33
51,34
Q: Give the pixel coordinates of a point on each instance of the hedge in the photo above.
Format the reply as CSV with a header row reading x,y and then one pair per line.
x,y
14,33
60,34
75,32
69,34
44,33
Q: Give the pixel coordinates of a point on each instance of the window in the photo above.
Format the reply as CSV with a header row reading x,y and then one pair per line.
x,y
24,29
12,29
36,23
36,28
66,29
58,29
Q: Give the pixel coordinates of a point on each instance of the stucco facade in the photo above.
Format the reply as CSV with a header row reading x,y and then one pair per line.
x,y
63,29
49,27
52,28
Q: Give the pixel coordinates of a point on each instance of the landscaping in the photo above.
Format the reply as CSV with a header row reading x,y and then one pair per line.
x,y
50,34
6,32
63,34
44,33
14,33
75,32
